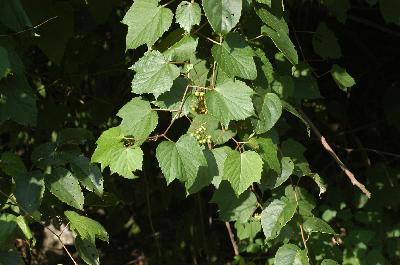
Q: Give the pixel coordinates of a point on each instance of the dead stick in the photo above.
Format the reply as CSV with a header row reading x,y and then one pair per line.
x,y
328,148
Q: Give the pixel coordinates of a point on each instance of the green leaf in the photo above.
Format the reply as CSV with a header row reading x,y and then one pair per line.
x,y
230,101
242,169
342,78
188,14
62,184
87,251
295,151
50,154
74,136
17,101
86,228
329,262
247,230
199,73
182,50
220,155
231,207
11,164
8,226
12,15
29,190
172,99
325,43
5,64
223,15
138,119
180,160
269,153
146,23
282,42
88,175
314,224
235,57
11,256
290,254
112,152
205,175
25,230
50,39
270,113
276,215
10,62
154,74
390,10
274,21
294,112
338,8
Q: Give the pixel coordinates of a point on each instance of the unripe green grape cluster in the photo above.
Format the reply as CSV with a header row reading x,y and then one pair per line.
x,y
199,105
201,136
318,107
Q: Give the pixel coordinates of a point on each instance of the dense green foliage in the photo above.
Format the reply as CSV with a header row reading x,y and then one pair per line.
x,y
207,117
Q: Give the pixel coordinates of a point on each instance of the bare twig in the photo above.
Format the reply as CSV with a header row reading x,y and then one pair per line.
x,y
329,149
45,227
300,224
29,29
232,238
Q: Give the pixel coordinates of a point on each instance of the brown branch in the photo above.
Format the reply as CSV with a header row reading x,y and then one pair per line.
x,y
329,149
45,227
232,238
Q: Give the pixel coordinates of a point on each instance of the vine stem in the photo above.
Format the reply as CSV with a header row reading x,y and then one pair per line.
x,y
232,238
29,29
329,149
301,225
58,236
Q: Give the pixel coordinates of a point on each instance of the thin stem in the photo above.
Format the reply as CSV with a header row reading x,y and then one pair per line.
x,y
45,227
232,238
29,29
207,38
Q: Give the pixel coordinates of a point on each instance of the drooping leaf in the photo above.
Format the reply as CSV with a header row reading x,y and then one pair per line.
x,y
11,164
10,63
235,57
146,21
17,101
188,14
314,224
86,228
180,160
272,19
172,99
112,152
29,190
138,119
270,113
230,101
290,254
231,207
62,184
222,15
282,42
276,215
89,175
154,74
87,251
295,151
342,78
325,43
295,112
242,170
182,50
